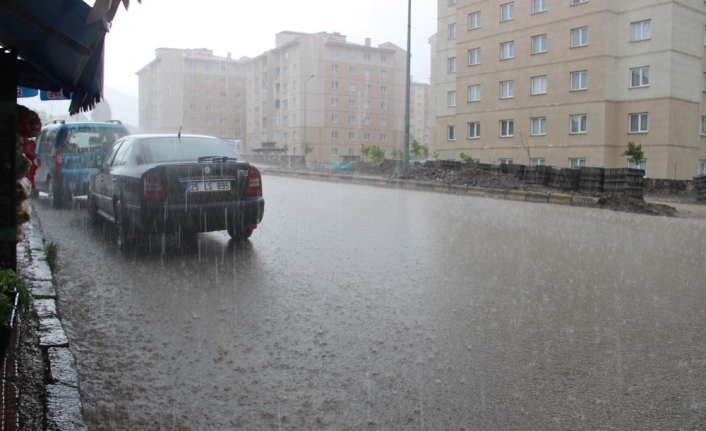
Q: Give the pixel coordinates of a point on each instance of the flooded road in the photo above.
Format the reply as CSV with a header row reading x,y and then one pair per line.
x,y
355,307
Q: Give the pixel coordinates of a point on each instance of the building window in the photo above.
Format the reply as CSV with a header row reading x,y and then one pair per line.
x,y
192,93
209,120
222,94
474,130
474,56
367,72
383,74
294,137
507,50
641,30
192,120
383,89
366,121
579,80
452,31
208,67
451,133
539,126
638,122
367,88
351,54
474,20
334,151
192,106
451,98
351,70
452,64
539,44
539,85
507,128
351,86
505,161
383,106
578,123
351,119
209,81
579,37
209,93
474,93
702,167
366,55
579,162
507,89
334,52
334,102
192,79
383,137
367,104
334,68
366,137
222,108
192,65
383,122
208,106
703,83
640,76
573,2
452,2
642,165
286,118
351,136
539,6
383,58
285,136
222,121
351,103
507,11
334,118
334,135
334,85
540,161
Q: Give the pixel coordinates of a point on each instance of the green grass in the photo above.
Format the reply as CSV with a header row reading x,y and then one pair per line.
x,y
52,252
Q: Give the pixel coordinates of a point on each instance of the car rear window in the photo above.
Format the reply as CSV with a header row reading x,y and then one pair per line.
x,y
186,149
89,138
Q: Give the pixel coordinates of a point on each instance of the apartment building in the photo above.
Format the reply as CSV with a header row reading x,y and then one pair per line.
x,y
193,89
335,95
571,82
420,113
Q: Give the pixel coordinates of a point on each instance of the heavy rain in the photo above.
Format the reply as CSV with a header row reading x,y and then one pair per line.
x,y
354,307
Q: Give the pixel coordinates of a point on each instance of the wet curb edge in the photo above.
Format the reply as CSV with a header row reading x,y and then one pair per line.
x,y
63,407
514,195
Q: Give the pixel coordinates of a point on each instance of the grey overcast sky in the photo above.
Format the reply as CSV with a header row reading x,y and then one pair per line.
x,y
248,28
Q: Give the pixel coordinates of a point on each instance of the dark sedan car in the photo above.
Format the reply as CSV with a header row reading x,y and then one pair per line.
x,y
154,184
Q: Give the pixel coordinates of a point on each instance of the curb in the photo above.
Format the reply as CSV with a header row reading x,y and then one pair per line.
x,y
64,409
513,195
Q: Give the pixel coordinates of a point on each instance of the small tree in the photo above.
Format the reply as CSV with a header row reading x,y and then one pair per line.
x,y
396,154
466,158
635,153
416,149
435,155
307,148
285,148
373,152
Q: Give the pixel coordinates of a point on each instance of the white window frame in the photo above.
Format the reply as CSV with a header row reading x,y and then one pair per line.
x,y
538,126
474,93
579,37
539,6
451,98
507,12
641,121
703,82
334,85
351,136
334,119
538,161
539,85
581,120
582,80
452,65
577,162
539,44
642,165
383,137
507,89
641,73
383,89
641,30
702,167
351,119
334,101
507,128
334,68
351,86
334,135
452,31
451,133
475,20
507,50
573,2
351,70
474,56
474,130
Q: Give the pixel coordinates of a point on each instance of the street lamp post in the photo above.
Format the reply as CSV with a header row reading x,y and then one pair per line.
x,y
305,93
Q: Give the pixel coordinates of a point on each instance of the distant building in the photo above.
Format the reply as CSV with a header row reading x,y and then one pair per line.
x,y
420,113
193,89
335,95
571,82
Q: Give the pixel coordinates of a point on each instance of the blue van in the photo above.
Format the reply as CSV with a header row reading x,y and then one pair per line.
x,y
62,151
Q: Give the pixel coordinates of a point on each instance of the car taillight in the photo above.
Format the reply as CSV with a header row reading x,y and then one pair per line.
x,y
152,186
58,160
254,183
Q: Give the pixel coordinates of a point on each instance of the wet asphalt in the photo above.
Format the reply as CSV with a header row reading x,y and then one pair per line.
x,y
355,307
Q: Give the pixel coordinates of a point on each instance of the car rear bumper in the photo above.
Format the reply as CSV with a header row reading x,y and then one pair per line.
x,y
166,218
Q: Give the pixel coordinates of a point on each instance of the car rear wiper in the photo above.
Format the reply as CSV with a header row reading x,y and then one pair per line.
x,y
222,159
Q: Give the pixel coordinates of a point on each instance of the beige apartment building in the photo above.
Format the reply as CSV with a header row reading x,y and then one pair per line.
x,y
193,89
571,82
333,94
420,113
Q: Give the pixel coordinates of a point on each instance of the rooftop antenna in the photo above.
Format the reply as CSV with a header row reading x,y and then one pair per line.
x,y
181,125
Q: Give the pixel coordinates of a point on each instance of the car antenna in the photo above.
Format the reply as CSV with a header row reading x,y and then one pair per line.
x,y
181,125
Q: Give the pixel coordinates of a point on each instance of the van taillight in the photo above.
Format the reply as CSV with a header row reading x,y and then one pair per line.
x,y
254,183
58,161
152,186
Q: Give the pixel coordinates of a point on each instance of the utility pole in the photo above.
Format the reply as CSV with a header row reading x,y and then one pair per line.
x,y
405,159
304,147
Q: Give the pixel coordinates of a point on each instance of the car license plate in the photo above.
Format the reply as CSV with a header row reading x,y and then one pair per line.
x,y
207,186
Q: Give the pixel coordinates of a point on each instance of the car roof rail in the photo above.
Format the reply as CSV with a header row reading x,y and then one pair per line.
x,y
114,121
58,122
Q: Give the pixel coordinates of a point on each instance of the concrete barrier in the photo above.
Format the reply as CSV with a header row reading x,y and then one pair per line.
x,y
517,195
559,198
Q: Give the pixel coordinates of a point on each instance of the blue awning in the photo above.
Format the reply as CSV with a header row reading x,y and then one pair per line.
x,y
60,43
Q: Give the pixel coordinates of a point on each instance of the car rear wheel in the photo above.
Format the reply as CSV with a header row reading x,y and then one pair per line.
x,y
56,193
237,232
121,228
